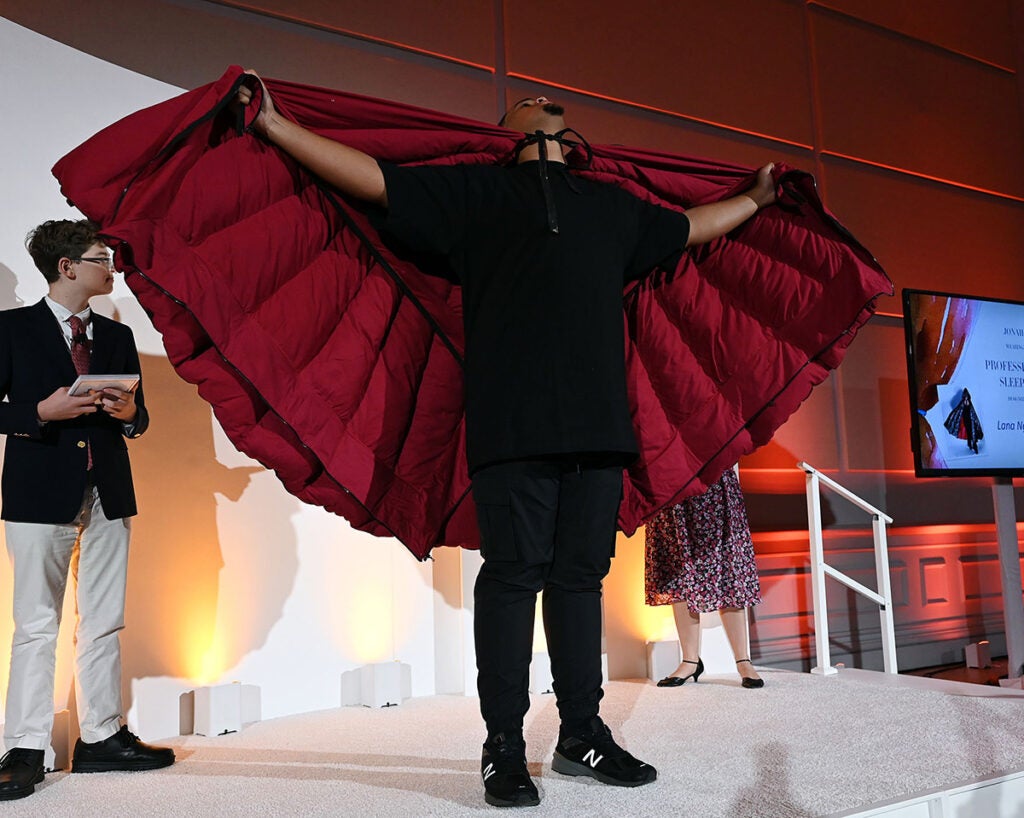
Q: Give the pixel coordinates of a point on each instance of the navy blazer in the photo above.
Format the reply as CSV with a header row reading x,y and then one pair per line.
x,y
45,467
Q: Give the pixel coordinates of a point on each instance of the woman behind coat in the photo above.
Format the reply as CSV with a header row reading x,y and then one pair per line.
x,y
700,558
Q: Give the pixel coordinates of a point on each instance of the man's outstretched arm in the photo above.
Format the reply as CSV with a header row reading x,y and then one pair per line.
x,y
351,171
710,221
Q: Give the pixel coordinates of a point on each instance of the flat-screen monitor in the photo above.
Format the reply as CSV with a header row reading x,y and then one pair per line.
x,y
965,359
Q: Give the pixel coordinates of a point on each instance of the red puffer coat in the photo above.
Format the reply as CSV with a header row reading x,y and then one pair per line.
x,y
338,365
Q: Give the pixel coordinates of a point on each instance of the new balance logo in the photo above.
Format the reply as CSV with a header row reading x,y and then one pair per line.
x,y
488,771
592,759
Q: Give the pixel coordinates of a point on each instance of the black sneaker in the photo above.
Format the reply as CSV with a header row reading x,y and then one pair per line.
x,y
503,768
596,754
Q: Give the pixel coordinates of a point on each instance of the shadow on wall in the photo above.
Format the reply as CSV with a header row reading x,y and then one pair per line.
x,y
213,557
197,603
8,289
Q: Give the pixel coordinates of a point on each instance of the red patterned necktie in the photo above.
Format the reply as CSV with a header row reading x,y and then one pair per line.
x,y
79,345
80,351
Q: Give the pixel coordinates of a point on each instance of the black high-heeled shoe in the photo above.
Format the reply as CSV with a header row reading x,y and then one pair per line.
x,y
676,681
750,684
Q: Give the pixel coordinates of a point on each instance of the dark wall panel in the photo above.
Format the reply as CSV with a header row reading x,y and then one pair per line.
x,y
188,47
810,435
707,58
905,105
459,29
875,402
981,28
606,123
931,236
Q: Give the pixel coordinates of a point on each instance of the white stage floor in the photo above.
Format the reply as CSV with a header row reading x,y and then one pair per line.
x,y
802,746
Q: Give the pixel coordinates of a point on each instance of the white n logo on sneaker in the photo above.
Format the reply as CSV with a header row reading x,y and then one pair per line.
x,y
592,759
488,771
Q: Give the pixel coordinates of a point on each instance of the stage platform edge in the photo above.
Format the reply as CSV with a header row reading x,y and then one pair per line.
x,y
1000,796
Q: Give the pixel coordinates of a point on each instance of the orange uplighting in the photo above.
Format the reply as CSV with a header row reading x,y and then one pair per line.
x,y
198,651
773,480
212,664
658,624
369,624
540,642
626,612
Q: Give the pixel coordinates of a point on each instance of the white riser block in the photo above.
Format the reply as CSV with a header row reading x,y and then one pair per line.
x,y
383,684
662,659
226,708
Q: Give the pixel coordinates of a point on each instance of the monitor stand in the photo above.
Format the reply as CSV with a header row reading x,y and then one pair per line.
x,y
1009,567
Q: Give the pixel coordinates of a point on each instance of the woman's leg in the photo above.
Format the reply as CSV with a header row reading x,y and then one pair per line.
x,y
734,620
688,627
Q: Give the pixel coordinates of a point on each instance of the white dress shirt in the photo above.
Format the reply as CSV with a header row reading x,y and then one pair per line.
x,y
63,316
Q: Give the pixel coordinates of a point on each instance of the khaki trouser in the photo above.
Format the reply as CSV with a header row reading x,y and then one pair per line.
x,y
96,551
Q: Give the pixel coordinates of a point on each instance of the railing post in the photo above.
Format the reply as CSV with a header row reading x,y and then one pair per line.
x,y
885,612
824,666
819,570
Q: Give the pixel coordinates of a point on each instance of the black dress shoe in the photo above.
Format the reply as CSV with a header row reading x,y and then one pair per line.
x,y
594,753
507,782
675,681
750,684
122,751
20,770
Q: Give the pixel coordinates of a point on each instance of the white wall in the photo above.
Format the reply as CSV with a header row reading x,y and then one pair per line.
x,y
230,577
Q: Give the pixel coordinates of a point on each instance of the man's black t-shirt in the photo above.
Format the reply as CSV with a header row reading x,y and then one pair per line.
x,y
545,367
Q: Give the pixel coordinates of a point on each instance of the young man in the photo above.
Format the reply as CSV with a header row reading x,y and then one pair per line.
x,y
67,498
542,257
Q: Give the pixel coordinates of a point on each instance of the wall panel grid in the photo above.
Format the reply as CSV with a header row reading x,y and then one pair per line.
x,y
980,30
899,104
931,94
945,593
459,31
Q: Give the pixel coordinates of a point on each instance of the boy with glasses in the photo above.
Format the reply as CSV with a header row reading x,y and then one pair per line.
x,y
67,502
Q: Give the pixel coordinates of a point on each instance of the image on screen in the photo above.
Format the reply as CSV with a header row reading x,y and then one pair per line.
x,y
965,361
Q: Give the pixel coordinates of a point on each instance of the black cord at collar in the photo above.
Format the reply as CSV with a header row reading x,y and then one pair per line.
x,y
541,139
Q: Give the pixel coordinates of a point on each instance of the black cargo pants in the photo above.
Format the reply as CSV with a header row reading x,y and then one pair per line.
x,y
545,525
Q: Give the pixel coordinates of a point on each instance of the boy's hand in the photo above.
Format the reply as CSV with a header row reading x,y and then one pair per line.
x,y
62,406
118,404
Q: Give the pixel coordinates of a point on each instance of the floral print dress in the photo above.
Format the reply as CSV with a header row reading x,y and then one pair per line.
x,y
700,552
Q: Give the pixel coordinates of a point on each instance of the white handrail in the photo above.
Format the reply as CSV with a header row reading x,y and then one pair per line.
x,y
844,492
820,569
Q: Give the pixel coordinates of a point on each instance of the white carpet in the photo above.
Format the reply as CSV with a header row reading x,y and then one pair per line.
x,y
801,746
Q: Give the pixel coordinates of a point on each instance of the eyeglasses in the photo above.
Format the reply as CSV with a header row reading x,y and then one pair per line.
x,y
106,261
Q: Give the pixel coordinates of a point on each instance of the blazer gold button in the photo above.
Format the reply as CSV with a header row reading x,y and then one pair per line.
x,y
81,444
